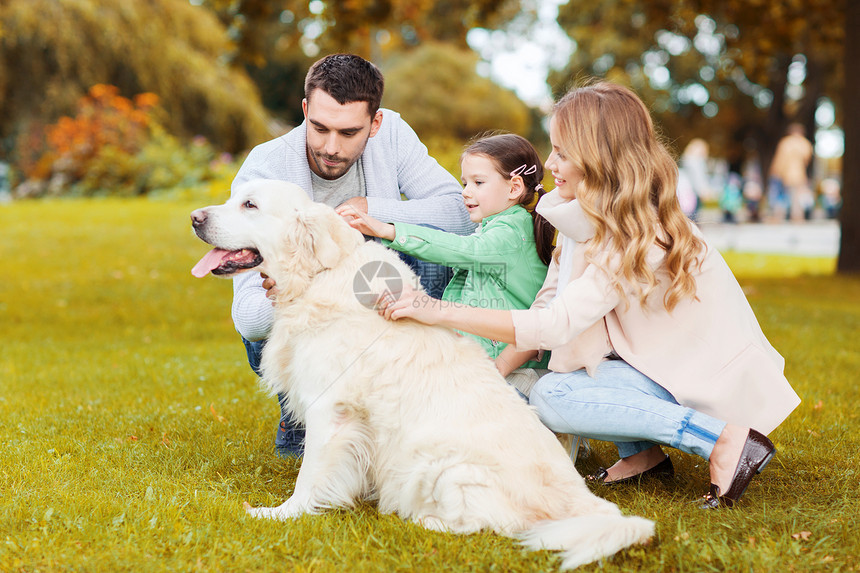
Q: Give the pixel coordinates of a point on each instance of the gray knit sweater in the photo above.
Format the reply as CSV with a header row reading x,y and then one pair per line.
x,y
395,163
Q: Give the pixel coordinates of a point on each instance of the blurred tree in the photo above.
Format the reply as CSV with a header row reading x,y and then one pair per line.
x,y
719,67
372,27
261,28
269,40
277,40
52,52
849,217
365,27
438,92
737,70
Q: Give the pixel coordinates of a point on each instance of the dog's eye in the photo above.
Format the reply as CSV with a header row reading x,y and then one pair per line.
x,y
249,205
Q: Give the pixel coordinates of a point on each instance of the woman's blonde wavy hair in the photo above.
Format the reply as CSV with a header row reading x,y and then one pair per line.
x,y
628,188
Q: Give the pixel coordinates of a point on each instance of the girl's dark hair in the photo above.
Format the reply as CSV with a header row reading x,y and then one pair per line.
x,y
511,153
347,78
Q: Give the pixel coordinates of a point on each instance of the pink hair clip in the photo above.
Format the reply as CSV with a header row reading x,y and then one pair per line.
x,y
524,169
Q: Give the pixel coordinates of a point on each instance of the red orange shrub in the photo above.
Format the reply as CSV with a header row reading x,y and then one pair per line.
x,y
109,147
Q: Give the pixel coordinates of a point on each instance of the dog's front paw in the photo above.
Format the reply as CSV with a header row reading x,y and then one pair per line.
x,y
282,512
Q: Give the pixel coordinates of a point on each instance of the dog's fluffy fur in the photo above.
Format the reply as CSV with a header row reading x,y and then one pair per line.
x,y
413,416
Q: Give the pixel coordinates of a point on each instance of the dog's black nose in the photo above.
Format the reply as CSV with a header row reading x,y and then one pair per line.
x,y
198,218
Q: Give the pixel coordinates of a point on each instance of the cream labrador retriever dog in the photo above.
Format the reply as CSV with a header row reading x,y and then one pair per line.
x,y
413,416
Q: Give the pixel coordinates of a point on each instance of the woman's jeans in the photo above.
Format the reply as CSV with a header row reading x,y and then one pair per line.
x,y
622,405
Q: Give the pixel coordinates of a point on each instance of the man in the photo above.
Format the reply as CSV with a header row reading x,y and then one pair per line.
x,y
347,151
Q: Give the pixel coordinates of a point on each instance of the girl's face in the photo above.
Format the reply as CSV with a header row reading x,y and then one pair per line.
x,y
485,191
567,175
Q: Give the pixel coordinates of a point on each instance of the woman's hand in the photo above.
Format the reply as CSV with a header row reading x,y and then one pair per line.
x,y
364,223
421,307
411,303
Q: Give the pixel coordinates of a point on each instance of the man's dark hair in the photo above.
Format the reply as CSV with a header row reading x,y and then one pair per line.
x,y
347,78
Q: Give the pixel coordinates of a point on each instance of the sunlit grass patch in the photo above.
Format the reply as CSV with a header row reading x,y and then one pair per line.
x,y
132,429
772,266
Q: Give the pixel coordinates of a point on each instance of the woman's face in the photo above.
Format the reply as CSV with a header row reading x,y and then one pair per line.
x,y
567,175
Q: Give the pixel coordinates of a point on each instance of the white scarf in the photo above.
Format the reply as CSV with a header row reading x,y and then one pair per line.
x,y
573,227
591,346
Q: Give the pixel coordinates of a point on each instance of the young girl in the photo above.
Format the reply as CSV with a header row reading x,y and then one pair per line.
x,y
504,263
653,340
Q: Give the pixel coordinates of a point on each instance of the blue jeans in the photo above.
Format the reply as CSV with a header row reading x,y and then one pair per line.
x,y
434,278
290,436
778,199
622,405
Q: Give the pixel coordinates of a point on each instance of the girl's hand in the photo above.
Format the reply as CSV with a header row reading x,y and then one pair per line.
x,y
364,223
411,303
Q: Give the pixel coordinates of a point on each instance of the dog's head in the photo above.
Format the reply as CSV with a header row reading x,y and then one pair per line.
x,y
274,227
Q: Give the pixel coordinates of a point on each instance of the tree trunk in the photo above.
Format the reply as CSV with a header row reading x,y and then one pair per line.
x,y
774,126
849,247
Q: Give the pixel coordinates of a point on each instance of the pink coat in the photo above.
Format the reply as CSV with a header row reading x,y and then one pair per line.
x,y
709,352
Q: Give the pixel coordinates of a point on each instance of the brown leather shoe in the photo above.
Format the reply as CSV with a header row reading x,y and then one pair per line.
x,y
757,453
663,470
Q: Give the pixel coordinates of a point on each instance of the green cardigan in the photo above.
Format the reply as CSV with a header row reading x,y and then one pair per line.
x,y
496,267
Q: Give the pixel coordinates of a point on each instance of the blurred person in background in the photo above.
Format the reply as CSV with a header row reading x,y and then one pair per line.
x,y
732,198
789,192
753,190
831,198
694,172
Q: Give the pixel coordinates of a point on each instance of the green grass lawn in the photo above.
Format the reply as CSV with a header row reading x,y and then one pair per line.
x,y
131,428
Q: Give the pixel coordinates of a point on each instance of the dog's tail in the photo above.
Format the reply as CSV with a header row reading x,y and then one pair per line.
x,y
589,537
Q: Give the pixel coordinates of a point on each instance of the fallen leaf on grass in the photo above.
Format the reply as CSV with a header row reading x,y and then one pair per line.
x,y
221,419
804,535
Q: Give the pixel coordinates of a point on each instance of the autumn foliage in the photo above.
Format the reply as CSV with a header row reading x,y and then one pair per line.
x,y
52,53
104,118
113,145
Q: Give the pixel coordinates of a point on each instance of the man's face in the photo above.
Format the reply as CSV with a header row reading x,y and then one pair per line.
x,y
337,134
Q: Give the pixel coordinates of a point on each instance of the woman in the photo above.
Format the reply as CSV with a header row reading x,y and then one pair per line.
x,y
653,340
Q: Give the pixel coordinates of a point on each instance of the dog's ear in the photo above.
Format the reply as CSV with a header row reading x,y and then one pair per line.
x,y
317,240
332,239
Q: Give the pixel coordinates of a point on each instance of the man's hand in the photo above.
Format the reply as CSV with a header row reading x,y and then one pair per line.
x,y
270,286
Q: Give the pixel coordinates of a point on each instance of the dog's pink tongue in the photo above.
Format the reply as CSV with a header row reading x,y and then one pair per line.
x,y
210,261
